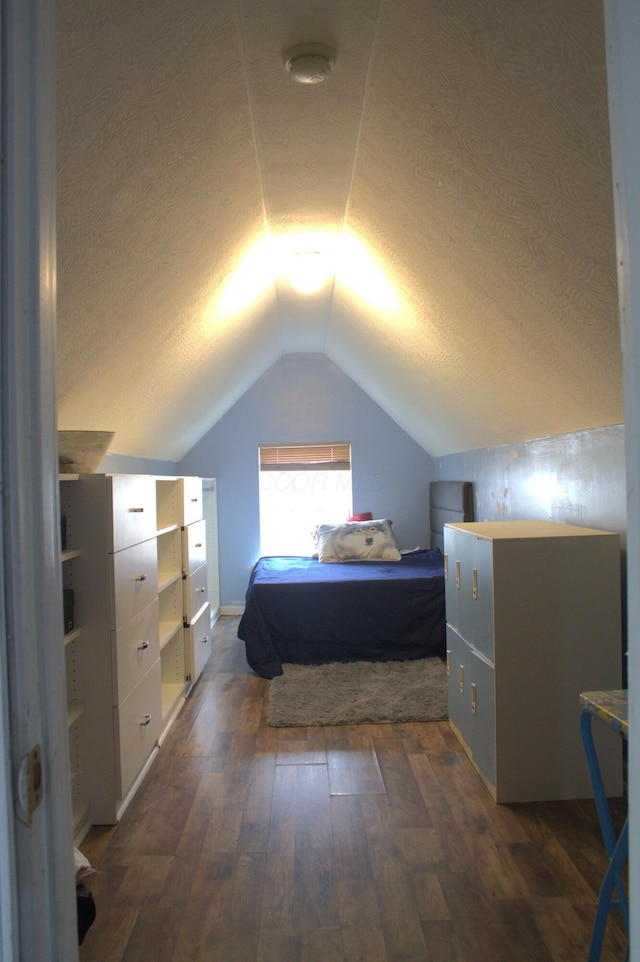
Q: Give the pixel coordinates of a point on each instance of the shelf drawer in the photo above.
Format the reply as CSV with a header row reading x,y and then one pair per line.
x,y
135,581
133,510
192,500
136,649
195,593
138,723
194,546
198,639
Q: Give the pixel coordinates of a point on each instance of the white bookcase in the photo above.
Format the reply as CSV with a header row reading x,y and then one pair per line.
x,y
75,641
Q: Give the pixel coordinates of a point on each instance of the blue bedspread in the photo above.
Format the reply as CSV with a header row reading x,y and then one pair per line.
x,y
299,610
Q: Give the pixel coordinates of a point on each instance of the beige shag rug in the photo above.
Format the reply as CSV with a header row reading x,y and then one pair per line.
x,y
358,692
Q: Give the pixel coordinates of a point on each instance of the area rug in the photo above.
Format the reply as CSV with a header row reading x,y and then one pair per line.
x,y
358,692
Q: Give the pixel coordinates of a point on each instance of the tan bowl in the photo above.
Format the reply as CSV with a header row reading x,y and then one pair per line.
x,y
80,452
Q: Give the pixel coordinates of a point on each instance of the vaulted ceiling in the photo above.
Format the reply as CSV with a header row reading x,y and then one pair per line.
x,y
454,170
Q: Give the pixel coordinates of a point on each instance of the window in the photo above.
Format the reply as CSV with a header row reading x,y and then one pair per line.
x,y
301,486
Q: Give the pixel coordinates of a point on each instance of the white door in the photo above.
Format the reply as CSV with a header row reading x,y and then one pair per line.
x,y
37,890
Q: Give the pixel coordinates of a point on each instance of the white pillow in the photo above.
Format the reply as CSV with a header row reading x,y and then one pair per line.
x,y
357,541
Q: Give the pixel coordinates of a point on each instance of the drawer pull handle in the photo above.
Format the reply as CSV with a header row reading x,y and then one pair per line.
x,y
195,499
462,679
457,574
473,697
204,640
140,578
448,662
200,590
147,719
136,510
144,645
474,590
446,567
199,544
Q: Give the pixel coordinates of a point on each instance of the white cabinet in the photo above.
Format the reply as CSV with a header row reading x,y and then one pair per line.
x,y
136,560
185,636
533,618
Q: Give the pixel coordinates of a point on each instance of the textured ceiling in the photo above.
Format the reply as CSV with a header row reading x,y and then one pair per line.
x,y
460,147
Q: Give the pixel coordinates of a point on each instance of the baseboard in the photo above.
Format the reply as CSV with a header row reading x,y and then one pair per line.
x,y
232,609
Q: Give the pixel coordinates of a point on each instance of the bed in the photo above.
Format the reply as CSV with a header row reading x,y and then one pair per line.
x,y
304,611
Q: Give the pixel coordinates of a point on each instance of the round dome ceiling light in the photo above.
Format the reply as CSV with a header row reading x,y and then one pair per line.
x,y
309,63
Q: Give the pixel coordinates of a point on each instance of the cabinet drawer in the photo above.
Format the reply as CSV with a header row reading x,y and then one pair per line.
x,y
194,546
471,702
198,641
459,705
135,581
138,723
195,593
469,588
133,510
192,500
136,649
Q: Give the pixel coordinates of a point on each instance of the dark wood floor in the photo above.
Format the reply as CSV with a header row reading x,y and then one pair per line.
x,y
343,844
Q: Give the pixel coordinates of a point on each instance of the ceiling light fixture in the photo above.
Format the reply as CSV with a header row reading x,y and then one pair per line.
x,y
308,271
309,63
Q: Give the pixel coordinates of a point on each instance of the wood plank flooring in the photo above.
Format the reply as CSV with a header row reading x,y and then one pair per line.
x,y
374,842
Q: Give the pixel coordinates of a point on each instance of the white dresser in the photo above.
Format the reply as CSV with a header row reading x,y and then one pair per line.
x,y
533,618
143,615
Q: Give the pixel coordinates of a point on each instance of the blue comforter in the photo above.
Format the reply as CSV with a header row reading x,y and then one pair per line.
x,y
299,610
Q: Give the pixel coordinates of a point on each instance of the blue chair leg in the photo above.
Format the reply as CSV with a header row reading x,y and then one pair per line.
x,y
612,879
616,849
599,794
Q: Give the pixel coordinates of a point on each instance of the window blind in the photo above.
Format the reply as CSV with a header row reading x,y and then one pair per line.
x,y
335,456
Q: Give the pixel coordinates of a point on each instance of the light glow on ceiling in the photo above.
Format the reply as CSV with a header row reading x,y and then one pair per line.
x,y
308,262
251,279
359,272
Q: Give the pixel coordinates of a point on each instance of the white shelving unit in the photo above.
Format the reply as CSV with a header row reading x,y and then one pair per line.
x,y
169,510
136,559
210,515
74,640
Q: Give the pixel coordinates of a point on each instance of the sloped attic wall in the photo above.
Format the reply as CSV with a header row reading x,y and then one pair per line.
x,y
463,145
577,478
306,397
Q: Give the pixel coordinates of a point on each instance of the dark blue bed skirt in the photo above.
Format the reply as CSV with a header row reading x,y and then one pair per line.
x,y
299,610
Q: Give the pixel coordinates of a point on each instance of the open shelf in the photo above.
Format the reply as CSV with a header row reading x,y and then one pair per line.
x,y
167,530
72,636
167,631
74,711
69,554
167,578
